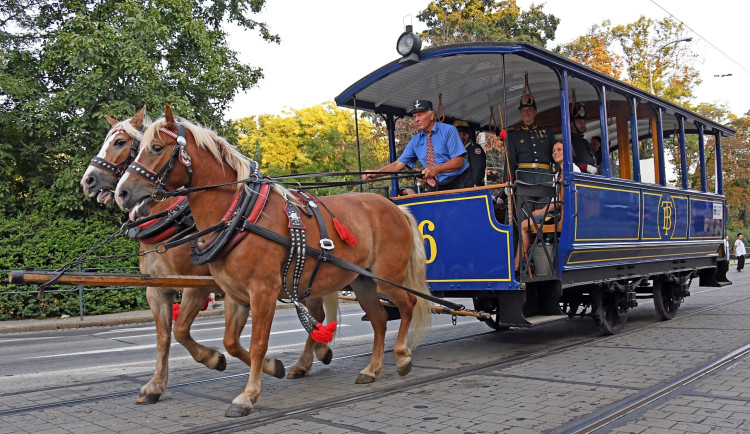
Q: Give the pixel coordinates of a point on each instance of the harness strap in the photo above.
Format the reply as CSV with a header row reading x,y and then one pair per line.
x,y
326,244
284,241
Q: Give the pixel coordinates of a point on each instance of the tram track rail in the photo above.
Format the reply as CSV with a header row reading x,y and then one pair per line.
x,y
265,416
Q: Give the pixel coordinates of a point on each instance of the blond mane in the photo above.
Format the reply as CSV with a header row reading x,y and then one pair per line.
x,y
219,147
129,129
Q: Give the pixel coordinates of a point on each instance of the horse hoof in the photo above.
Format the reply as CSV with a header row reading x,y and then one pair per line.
x,y
365,379
405,370
222,363
278,369
148,398
328,357
235,410
296,373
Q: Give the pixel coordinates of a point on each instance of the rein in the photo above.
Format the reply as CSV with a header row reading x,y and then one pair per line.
x,y
160,193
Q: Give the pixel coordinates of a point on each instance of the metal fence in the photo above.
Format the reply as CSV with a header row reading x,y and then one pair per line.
x,y
80,289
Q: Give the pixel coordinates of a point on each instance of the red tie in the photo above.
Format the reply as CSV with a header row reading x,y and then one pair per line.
x,y
430,158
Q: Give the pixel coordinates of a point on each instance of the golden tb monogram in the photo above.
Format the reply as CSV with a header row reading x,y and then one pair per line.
x,y
667,208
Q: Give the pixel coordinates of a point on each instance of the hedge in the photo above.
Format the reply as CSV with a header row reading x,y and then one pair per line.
x,y
31,240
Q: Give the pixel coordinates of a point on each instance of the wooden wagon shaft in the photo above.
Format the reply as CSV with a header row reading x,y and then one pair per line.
x,y
434,309
21,277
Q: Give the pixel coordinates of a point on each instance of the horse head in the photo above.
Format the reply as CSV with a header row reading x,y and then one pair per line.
x,y
118,150
156,167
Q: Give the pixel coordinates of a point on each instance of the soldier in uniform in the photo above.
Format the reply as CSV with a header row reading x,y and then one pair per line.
x,y
530,147
474,153
529,157
583,153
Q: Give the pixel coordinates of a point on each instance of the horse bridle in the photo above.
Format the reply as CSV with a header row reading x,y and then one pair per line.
x,y
159,178
117,170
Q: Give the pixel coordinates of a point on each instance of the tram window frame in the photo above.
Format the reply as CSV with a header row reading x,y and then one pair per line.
x,y
589,94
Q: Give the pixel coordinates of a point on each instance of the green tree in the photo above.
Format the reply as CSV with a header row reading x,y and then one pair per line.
x,y
595,49
315,139
454,21
65,64
651,46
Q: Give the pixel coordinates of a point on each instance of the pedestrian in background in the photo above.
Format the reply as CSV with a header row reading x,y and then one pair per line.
x,y
739,252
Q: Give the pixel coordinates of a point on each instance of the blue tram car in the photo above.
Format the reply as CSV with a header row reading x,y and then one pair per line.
x,y
632,230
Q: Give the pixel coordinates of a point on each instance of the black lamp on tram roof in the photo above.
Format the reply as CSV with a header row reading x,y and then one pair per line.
x,y
408,46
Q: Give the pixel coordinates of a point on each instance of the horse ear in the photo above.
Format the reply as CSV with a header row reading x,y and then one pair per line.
x,y
168,115
137,119
111,121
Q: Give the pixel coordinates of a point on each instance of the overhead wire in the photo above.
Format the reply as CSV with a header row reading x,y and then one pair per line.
x,y
700,36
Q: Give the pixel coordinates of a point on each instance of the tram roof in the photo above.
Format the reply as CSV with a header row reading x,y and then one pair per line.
x,y
468,78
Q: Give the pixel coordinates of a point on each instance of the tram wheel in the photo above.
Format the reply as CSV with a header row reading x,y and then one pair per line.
x,y
665,301
607,314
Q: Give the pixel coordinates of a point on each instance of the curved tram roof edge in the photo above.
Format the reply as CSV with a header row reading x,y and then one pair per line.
x,y
522,49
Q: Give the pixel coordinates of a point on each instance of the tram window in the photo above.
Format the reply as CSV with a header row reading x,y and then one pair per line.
x,y
672,155
618,126
585,125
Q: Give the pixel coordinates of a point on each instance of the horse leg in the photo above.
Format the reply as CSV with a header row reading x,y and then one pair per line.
x,y
192,301
235,318
160,301
366,292
302,366
401,349
263,303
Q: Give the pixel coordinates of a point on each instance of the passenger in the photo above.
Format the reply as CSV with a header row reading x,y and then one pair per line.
x,y
439,149
540,214
596,145
474,153
583,153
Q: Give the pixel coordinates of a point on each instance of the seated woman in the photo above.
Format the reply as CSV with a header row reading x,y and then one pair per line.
x,y
539,214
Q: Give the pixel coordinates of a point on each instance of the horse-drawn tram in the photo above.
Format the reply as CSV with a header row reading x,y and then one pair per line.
x,y
624,228
564,242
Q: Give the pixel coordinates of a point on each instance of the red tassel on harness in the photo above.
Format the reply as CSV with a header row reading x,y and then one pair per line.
x,y
344,233
324,333
205,305
175,311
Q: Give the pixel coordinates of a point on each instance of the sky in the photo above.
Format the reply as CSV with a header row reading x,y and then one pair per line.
x,y
327,45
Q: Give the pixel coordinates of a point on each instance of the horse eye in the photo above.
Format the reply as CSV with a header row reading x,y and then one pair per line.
x,y
155,148
120,142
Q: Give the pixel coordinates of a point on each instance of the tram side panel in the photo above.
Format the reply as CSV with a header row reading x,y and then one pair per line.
x,y
619,229
467,249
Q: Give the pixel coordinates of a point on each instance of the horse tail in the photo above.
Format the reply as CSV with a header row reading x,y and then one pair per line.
x,y
416,279
331,306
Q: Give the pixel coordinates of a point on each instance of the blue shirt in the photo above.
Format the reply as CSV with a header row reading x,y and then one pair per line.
x,y
446,144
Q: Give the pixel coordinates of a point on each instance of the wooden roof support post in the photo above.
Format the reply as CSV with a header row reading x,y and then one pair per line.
x,y
622,116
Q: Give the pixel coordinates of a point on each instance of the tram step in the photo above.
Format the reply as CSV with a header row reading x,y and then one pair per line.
x,y
540,319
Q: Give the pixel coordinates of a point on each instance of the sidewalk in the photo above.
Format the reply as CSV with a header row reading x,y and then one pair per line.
x,y
74,322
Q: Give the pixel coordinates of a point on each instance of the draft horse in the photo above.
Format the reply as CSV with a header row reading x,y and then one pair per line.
x,y
386,242
119,148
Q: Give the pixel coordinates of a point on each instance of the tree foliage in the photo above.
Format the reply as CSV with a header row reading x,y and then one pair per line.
x,y
596,49
651,56
314,139
65,64
454,21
